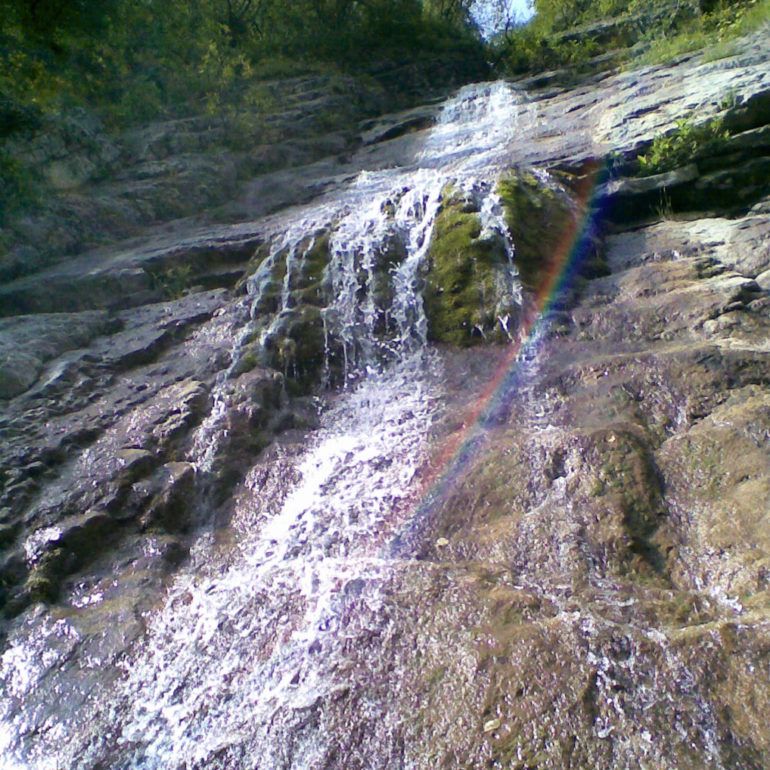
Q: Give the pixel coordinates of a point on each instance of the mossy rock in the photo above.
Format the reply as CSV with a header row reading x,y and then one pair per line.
x,y
269,298
465,291
315,258
541,222
44,581
260,254
297,346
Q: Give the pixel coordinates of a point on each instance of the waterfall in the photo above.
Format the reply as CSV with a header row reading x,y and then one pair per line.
x,y
250,643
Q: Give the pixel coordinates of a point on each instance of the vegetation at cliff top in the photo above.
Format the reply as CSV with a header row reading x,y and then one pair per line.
x,y
136,61
568,33
132,62
714,31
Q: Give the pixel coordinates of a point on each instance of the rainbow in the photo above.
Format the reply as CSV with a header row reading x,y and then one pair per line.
x,y
457,452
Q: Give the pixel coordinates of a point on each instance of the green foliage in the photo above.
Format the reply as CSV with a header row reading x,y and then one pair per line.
x,y
664,208
140,100
561,15
17,187
173,282
678,147
137,61
714,31
48,19
549,40
531,49
560,35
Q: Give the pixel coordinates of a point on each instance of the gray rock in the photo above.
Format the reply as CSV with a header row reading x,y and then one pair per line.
x,y
28,342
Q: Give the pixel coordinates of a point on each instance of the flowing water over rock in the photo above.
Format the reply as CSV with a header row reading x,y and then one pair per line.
x,y
234,669
451,555
248,643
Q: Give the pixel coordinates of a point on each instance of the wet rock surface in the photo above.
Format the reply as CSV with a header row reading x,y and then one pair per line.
x,y
571,572
592,589
99,447
466,297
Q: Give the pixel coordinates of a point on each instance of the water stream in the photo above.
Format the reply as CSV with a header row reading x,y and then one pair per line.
x,y
235,666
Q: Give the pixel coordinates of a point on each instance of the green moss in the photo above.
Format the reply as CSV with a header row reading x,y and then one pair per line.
x,y
463,293
297,347
307,283
248,361
45,578
315,258
539,220
270,296
705,462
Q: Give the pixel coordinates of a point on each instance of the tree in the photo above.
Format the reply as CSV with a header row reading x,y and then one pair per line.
x,y
47,19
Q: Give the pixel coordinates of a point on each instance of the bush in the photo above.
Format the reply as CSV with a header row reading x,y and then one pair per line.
x,y
136,61
674,149
712,30
555,37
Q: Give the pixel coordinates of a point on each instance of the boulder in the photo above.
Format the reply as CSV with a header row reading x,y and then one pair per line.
x,y
541,219
469,279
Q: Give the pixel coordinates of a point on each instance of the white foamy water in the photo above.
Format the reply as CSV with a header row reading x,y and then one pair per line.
x,y
233,651
249,640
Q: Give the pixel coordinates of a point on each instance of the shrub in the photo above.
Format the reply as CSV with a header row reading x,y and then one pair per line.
x,y
713,30
173,282
676,148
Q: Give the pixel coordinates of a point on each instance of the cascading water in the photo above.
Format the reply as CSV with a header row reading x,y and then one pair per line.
x,y
235,668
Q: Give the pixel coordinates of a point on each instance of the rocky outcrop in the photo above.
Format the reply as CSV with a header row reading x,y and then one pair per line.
x,y
592,573
597,568
616,515
27,342
95,186
540,217
466,296
103,443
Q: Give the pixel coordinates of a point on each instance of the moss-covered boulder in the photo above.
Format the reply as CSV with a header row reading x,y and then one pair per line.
x,y
467,293
306,283
289,335
541,220
296,345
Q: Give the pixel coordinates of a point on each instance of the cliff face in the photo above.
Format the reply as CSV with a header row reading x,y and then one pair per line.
x,y
555,552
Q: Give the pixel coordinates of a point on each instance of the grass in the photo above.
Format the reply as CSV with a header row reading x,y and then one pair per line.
x,y
715,33
668,48
664,209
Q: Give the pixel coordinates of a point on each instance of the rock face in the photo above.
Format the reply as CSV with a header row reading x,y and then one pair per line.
x,y
583,579
99,446
95,187
610,532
